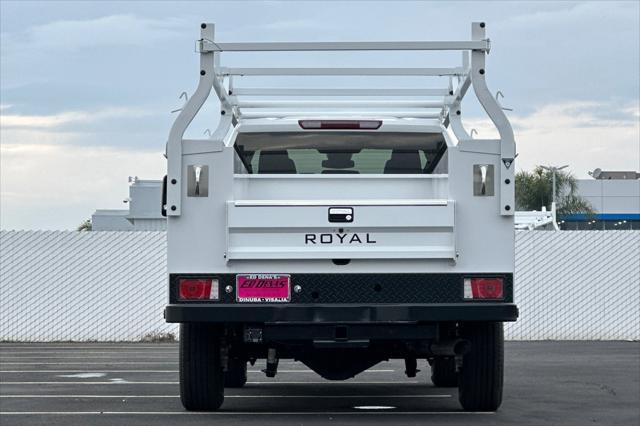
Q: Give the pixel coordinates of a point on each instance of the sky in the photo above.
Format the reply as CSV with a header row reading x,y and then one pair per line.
x,y
87,88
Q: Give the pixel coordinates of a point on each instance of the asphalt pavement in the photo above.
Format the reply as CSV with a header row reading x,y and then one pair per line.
x,y
546,383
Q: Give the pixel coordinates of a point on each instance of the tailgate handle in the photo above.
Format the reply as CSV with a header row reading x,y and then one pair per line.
x,y
341,214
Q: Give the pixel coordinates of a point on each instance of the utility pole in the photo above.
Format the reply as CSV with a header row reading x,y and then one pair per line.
x,y
553,170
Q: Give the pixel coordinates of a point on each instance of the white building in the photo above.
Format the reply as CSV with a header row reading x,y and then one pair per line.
x,y
615,196
145,197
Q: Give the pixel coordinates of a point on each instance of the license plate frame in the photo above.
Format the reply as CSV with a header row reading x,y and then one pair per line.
x,y
263,288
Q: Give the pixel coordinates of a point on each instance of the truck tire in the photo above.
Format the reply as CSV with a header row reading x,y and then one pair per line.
x,y
480,379
201,375
236,374
443,373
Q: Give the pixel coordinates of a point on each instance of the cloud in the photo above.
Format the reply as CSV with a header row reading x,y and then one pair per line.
x,y
578,115
8,121
584,135
49,186
128,127
293,24
633,111
112,30
583,13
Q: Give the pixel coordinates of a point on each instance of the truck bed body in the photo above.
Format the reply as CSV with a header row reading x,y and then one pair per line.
x,y
418,235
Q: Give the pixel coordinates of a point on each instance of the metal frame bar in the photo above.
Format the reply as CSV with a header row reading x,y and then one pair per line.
x,y
284,72
340,104
500,121
208,45
455,108
354,113
255,91
187,114
213,76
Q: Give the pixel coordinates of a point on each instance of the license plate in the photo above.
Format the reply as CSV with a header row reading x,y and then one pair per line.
x,y
269,288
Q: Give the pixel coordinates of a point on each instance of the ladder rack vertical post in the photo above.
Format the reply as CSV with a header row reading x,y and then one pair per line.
x,y
499,119
193,105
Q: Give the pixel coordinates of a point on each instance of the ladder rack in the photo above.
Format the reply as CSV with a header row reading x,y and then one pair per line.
x,y
241,108
439,103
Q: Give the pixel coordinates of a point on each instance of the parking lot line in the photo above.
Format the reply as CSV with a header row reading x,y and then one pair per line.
x,y
249,413
62,382
125,382
75,351
72,346
169,361
168,371
80,363
117,355
88,371
230,396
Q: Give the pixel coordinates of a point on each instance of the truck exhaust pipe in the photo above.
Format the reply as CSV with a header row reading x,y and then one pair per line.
x,y
452,347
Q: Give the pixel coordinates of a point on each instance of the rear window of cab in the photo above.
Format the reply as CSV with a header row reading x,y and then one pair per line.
x,y
325,152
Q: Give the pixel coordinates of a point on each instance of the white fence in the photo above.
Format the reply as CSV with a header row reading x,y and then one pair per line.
x,y
112,285
577,285
66,285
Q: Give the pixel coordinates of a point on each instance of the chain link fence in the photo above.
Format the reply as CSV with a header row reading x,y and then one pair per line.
x,y
577,285
84,286
111,286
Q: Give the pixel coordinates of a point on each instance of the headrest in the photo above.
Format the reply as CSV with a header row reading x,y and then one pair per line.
x,y
276,162
403,161
338,160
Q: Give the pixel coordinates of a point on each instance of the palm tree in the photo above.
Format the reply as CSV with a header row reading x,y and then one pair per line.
x,y
534,190
84,226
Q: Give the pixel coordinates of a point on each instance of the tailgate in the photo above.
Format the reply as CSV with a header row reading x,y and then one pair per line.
x,y
325,229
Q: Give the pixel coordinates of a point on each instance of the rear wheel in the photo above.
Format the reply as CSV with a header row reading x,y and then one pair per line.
x,y
481,376
443,372
201,375
236,374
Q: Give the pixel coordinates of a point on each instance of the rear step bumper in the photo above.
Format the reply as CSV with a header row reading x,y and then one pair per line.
x,y
341,313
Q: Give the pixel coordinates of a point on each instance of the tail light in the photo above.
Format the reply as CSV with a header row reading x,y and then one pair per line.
x,y
199,289
483,288
340,124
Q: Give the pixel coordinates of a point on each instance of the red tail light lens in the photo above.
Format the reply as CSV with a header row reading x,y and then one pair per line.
x,y
340,124
198,289
483,288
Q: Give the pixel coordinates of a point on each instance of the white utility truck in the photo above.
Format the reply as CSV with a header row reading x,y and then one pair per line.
x,y
341,227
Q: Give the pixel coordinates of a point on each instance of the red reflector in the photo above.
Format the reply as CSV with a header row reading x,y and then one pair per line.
x,y
195,289
340,124
486,288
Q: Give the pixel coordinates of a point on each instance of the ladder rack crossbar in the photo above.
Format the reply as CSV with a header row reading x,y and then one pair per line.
x,y
205,46
256,91
339,104
433,72
343,113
